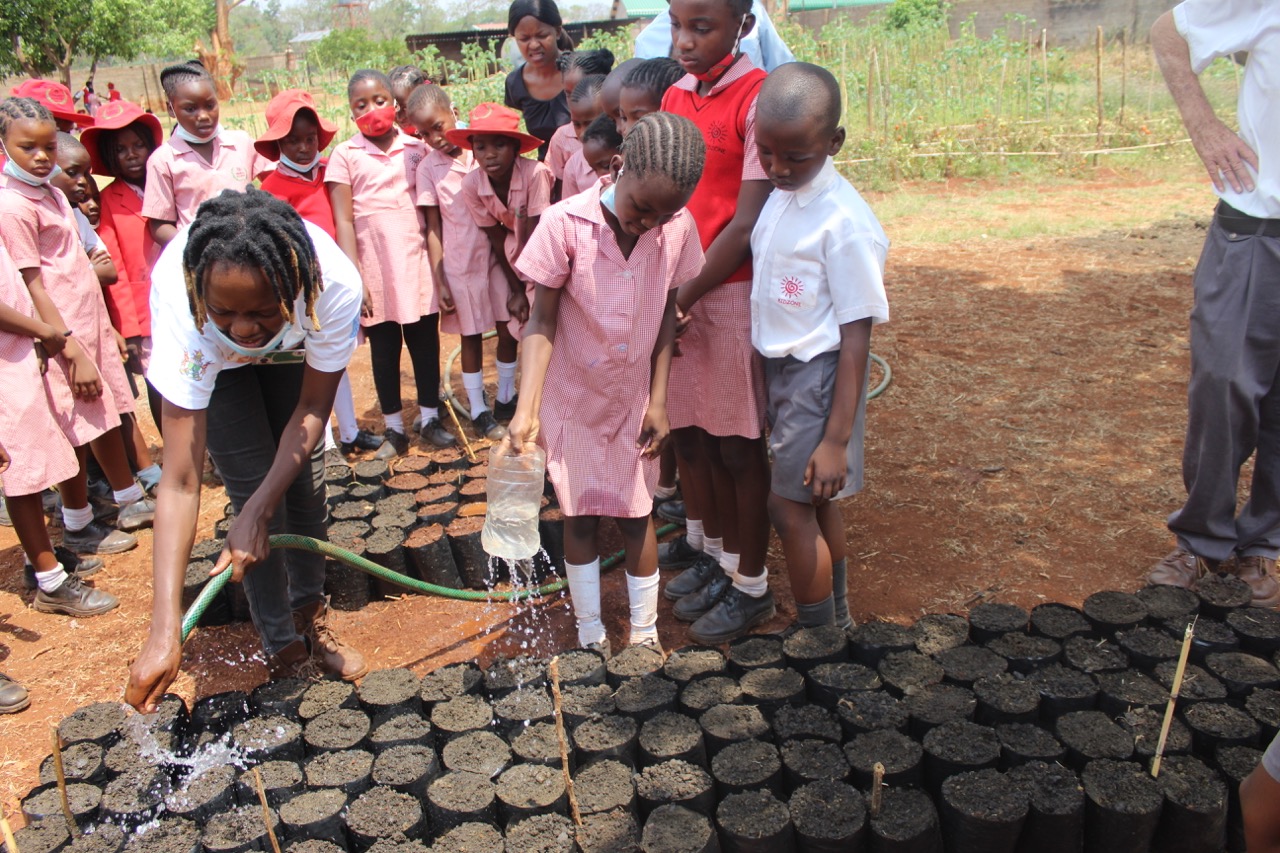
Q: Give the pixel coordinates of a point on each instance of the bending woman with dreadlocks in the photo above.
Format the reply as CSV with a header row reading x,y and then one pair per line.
x,y
255,315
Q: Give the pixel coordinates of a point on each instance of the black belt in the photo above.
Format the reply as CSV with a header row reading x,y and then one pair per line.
x,y
1236,222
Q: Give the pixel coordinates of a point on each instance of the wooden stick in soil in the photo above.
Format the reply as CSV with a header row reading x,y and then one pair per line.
x,y
266,810
1173,697
877,789
10,843
466,445
72,829
554,670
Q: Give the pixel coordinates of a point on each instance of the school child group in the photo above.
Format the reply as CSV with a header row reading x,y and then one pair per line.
x,y
623,271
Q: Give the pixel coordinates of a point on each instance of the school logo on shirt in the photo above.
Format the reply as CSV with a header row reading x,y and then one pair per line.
x,y
240,173
718,131
792,289
194,365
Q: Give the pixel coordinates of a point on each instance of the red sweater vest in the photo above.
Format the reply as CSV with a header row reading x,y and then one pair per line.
x,y
309,198
127,238
722,118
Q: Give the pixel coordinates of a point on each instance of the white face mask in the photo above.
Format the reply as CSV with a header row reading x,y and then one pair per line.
x,y
189,137
299,167
16,172
606,198
252,352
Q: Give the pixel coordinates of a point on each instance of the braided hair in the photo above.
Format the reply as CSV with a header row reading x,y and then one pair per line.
x,y
407,77
179,75
17,109
654,76
252,229
428,93
665,144
588,87
598,61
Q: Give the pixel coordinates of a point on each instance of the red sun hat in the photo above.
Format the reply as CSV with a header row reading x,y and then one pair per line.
x,y
117,115
493,120
281,111
55,96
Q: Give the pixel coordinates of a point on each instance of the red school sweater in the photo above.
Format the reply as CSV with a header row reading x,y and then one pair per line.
x,y
306,195
127,238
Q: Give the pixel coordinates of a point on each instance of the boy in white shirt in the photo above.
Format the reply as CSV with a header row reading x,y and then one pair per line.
x,y
818,288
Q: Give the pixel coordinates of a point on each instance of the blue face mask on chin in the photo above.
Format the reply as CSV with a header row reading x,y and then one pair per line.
x,y
186,135
18,173
251,352
606,198
300,168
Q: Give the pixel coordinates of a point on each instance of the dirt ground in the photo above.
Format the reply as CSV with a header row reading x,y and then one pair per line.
x,y
1027,450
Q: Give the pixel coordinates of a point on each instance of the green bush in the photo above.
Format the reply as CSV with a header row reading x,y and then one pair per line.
x,y
916,14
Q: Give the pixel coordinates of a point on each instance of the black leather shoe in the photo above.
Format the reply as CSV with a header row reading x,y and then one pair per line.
x,y
364,440
487,426
691,579
13,696
434,433
74,598
71,562
672,511
734,614
393,444
677,554
692,607
506,411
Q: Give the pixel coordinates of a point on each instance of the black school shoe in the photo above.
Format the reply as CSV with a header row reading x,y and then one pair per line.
x,y
672,511
506,411
364,440
72,563
434,433
692,579
734,614
487,426
13,696
697,604
393,444
75,598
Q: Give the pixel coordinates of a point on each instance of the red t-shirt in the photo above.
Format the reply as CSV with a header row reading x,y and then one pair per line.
x,y
307,195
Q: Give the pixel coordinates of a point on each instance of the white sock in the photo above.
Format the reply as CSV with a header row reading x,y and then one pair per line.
x,y
133,494
344,407
693,534
754,587
428,414
506,381
395,422
52,580
474,383
642,593
76,519
713,546
664,492
729,563
330,443
584,591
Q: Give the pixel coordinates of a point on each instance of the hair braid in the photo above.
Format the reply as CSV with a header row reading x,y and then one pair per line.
x,y
598,61
17,109
588,87
665,144
252,229
178,75
654,76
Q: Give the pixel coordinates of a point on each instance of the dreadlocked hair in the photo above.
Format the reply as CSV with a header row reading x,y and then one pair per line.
x,y
598,61
605,129
17,109
668,145
588,87
252,229
179,75
654,76
428,94
368,74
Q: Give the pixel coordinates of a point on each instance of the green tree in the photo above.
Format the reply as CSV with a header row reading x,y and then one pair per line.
x,y
347,50
48,36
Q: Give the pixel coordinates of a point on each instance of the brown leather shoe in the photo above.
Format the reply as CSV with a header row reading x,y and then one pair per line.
x,y
1181,568
331,654
293,661
1259,573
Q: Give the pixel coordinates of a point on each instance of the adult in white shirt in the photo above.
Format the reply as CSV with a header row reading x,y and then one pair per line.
x,y
763,44
1233,399
254,320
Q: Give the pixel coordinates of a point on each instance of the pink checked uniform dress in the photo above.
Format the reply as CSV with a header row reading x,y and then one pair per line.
x,y
39,230
179,180
597,386
390,227
563,145
578,175
479,288
41,455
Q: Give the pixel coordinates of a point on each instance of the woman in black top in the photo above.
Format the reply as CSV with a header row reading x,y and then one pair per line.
x,y
537,87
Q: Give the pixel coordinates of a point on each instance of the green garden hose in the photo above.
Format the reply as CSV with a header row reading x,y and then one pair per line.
x,y
316,546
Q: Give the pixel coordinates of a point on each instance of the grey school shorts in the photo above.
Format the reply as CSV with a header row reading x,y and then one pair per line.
x,y
800,394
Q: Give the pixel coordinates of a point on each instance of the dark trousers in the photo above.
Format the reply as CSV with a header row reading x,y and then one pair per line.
x,y
1233,400
247,415
422,339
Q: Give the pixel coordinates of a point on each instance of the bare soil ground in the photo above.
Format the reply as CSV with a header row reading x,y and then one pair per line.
x,y
1027,450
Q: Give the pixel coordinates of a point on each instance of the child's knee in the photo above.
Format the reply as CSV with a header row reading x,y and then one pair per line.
x,y
788,517
743,457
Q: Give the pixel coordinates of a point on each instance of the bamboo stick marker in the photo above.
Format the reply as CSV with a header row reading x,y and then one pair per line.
x,y
554,670
471,454
1173,697
9,842
266,810
72,829
877,789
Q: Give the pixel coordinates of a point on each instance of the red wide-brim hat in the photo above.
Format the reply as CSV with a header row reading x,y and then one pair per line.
x,y
493,120
281,111
55,96
117,115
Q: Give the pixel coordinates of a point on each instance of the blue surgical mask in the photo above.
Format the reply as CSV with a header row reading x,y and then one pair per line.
x,y
18,173
298,167
189,137
606,198
251,352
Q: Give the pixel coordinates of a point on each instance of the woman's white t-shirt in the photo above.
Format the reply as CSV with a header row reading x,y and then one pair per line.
x,y
185,361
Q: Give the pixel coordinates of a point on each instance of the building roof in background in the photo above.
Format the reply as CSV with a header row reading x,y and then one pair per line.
x,y
314,35
809,5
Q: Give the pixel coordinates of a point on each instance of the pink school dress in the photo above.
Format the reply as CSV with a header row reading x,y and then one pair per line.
x,y
179,180
41,455
597,386
38,229
390,228
479,288
563,145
